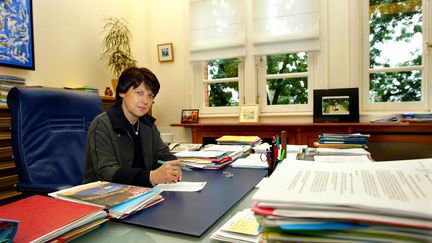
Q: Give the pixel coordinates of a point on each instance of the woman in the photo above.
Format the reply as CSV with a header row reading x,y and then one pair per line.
x,y
124,144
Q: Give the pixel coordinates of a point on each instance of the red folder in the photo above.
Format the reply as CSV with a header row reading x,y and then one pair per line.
x,y
40,215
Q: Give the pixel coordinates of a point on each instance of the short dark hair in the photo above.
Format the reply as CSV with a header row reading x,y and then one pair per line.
x,y
134,76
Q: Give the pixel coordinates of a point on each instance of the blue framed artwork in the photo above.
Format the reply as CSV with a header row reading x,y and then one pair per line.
x,y
16,34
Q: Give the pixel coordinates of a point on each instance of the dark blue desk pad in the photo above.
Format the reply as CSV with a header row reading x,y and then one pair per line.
x,y
192,213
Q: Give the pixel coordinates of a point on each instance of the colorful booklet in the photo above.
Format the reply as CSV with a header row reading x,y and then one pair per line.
x,y
8,229
120,200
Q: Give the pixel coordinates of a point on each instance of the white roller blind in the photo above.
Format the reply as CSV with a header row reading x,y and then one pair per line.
x,y
283,26
216,29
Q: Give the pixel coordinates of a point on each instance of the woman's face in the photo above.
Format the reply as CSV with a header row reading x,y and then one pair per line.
x,y
137,102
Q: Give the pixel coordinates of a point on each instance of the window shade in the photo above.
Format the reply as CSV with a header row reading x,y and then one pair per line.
x,y
281,26
216,29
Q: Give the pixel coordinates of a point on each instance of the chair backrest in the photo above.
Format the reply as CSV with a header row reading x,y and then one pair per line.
x,y
49,131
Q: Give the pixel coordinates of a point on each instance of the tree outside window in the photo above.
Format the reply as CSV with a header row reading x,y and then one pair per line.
x,y
287,81
395,50
221,82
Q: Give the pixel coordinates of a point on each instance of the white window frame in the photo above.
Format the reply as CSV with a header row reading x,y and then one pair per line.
x,y
425,103
200,83
289,108
250,75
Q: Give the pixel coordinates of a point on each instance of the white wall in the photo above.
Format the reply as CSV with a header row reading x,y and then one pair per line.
x,y
67,37
67,47
167,26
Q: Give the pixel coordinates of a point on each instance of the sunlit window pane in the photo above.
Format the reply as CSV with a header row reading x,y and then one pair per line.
x,y
395,35
287,63
225,68
283,89
287,91
395,41
395,87
223,94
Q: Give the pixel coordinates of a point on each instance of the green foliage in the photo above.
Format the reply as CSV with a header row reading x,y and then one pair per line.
x,y
220,94
386,17
116,45
287,90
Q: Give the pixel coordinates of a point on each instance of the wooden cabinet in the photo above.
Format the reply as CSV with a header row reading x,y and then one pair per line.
x,y
8,175
387,141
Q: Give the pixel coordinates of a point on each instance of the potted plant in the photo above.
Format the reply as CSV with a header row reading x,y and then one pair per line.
x,y
116,47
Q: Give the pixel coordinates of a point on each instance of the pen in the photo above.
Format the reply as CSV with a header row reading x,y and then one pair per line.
x,y
181,167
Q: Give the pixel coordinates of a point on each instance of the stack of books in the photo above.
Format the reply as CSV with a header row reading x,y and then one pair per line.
x,y
212,160
334,140
239,140
416,117
326,202
7,82
86,88
233,151
119,200
43,219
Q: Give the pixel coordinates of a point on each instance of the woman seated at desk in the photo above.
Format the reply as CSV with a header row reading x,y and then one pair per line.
x,y
124,144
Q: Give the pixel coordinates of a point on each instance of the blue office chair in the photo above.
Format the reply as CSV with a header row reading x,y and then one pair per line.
x,y
49,132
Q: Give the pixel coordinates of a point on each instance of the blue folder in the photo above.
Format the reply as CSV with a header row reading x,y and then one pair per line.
x,y
193,213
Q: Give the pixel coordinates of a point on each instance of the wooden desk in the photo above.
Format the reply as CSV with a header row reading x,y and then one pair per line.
x,y
384,138
307,133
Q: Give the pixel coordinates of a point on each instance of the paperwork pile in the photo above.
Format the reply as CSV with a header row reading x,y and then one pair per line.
x,y
239,140
375,202
204,159
242,227
46,219
119,200
233,151
7,82
334,140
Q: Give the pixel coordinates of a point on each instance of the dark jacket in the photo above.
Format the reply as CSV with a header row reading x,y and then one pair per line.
x,y
110,149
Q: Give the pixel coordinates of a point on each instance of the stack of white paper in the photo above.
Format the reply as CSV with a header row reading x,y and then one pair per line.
x,y
242,227
382,201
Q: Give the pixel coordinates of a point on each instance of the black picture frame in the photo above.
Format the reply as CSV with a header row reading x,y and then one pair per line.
x,y
16,35
336,105
190,116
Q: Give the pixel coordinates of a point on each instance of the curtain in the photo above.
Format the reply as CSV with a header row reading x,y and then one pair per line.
x,y
285,26
216,29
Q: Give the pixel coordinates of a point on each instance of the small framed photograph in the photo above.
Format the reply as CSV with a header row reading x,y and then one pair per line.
x,y
165,52
190,116
336,105
249,113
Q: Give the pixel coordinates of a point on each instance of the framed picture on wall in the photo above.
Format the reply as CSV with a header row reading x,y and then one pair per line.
x,y
190,116
336,105
16,35
165,52
249,113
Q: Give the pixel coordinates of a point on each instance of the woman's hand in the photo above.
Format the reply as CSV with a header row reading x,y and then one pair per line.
x,y
169,172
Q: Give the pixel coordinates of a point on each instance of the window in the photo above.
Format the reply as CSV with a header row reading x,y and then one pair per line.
x,y
285,84
221,83
265,54
396,62
287,79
